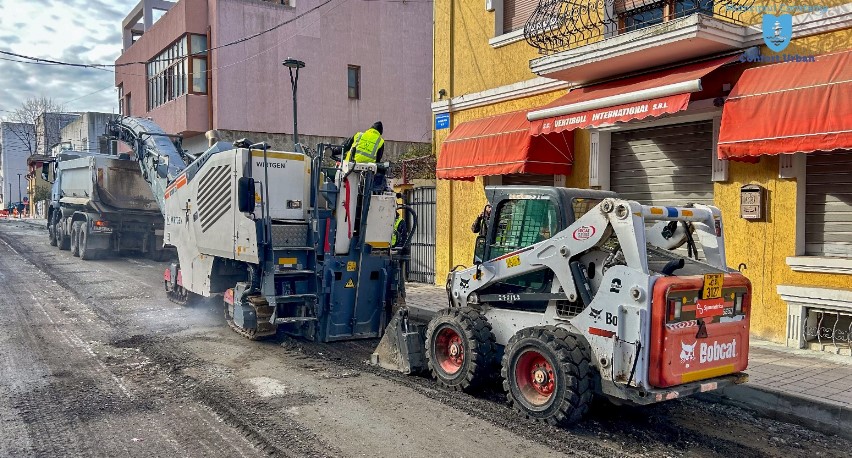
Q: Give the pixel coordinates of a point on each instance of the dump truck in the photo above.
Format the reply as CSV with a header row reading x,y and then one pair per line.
x,y
100,204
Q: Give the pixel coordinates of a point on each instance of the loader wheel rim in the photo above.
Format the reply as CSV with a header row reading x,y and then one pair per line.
x,y
535,378
449,350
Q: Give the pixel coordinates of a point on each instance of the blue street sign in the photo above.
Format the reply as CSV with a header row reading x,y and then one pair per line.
x,y
442,121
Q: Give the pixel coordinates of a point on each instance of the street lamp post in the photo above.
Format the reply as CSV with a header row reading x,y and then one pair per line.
x,y
293,64
19,187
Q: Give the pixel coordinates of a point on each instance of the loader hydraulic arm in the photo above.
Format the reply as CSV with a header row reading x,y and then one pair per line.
x,y
159,159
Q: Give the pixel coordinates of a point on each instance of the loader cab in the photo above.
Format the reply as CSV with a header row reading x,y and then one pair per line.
x,y
522,216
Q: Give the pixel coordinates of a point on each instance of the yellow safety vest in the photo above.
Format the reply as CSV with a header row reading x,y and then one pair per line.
x,y
395,230
366,146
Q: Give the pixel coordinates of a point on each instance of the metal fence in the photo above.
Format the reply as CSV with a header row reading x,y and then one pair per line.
x,y
557,25
421,267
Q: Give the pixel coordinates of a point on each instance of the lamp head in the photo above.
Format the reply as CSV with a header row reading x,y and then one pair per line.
x,y
293,63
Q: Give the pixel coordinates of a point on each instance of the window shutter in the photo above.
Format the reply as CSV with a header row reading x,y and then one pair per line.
x,y
516,13
828,204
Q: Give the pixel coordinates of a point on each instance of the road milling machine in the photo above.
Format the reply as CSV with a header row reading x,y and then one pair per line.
x,y
575,299
291,242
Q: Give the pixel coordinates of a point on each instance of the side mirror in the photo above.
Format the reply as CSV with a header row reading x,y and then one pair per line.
x,y
479,249
245,194
45,171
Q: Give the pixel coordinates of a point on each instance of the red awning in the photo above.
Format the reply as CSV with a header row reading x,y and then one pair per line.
x,y
653,94
788,108
501,145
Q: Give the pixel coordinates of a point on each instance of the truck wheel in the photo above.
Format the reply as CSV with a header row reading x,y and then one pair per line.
x,y
156,253
63,240
86,253
75,238
547,374
51,233
460,348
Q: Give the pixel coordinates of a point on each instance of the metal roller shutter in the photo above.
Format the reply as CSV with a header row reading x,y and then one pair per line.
x,y
670,165
516,13
528,179
828,204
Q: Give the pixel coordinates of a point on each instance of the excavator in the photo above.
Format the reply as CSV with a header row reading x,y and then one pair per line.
x,y
295,242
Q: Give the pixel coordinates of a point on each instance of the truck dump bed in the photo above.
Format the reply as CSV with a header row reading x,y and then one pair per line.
x,y
106,180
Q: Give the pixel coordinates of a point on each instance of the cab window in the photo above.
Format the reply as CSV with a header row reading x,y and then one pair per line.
x,y
521,223
582,205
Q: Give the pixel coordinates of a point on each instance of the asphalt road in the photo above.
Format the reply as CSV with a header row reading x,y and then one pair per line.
x,y
95,361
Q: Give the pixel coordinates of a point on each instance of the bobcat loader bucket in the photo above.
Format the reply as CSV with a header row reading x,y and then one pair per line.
x,y
401,348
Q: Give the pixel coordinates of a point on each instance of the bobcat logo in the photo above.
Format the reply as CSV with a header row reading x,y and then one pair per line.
x,y
687,352
595,314
464,282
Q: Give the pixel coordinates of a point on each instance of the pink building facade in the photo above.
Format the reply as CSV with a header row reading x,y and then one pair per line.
x,y
365,61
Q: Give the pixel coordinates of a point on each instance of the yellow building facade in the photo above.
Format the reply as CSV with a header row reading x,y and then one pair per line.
x,y
481,70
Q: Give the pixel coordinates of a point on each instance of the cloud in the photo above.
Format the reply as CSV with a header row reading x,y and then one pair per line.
x,y
84,31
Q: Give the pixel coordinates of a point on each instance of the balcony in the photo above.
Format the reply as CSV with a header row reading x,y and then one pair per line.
x,y
593,40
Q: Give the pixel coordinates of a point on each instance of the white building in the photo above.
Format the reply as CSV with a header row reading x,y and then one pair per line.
x,y
14,151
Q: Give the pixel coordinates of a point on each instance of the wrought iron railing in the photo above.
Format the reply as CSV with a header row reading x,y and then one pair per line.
x,y
557,25
832,327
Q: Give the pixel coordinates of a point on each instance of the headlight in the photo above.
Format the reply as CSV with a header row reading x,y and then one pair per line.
x,y
473,298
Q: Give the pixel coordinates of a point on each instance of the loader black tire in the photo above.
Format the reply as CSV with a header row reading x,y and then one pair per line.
x,y
460,348
63,240
75,238
548,375
86,253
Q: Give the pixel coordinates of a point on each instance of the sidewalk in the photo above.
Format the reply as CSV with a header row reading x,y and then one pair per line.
x,y
41,222
799,386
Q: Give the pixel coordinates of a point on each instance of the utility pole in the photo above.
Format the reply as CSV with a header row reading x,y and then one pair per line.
x,y
19,187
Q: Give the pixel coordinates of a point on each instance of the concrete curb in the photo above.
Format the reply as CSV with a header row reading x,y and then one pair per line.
x,y
791,408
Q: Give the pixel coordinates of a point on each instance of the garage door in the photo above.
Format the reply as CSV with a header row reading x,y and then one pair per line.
x,y
669,165
828,203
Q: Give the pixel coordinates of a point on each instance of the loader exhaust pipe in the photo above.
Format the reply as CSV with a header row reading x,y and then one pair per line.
x,y
212,137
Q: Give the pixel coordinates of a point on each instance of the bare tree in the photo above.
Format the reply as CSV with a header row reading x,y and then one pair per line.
x,y
38,121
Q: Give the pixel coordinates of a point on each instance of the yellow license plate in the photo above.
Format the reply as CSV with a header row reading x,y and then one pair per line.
x,y
712,286
513,261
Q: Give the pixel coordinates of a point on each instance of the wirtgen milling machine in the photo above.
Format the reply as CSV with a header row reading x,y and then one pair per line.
x,y
290,244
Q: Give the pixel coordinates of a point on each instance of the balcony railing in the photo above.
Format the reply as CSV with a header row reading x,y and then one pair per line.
x,y
557,25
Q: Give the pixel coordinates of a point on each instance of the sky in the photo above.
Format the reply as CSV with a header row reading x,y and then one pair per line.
x,y
84,31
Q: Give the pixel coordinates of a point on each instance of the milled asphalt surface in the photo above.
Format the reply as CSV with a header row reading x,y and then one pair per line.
x,y
95,361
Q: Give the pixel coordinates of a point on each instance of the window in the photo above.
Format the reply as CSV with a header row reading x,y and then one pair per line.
x,y
178,70
354,81
516,13
828,204
521,223
121,109
636,14
581,206
127,105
